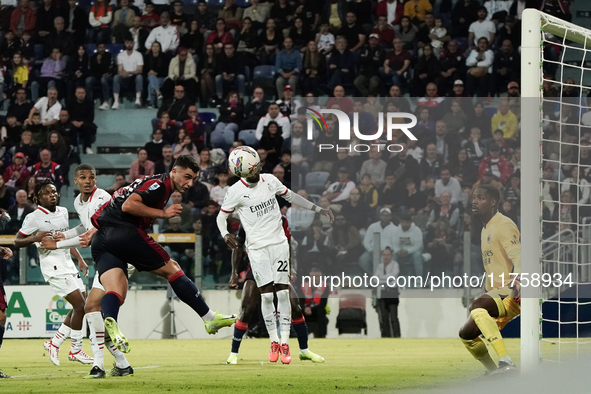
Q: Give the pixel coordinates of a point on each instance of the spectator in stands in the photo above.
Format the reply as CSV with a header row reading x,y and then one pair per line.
x,y
181,72
416,9
498,139
345,103
344,241
155,70
341,65
185,147
20,107
383,32
220,36
273,114
430,164
141,167
22,19
299,34
352,32
218,192
196,197
325,39
207,67
452,65
60,38
269,41
455,119
101,70
288,105
205,18
373,105
232,14
375,166
463,169
48,107
440,243
166,34
176,106
339,191
100,17
393,10
119,183
266,165
366,123
193,41
480,63
371,58
164,165
357,212
506,67
53,71
444,208
76,20
231,116
412,200
11,130
387,296
81,111
130,65
395,64
482,28
154,148
65,127
448,184
17,173
315,301
342,160
314,68
76,71
368,191
495,164
18,211
59,152
288,64
195,127
505,120
424,35
325,158
230,71
179,18
272,142
463,14
45,16
406,32
390,193
402,164
47,169
258,13
479,119
385,228
186,217
302,150
300,219
426,70
247,43
578,186
407,245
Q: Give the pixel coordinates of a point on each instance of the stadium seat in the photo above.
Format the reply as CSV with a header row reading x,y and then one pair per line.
x,y
215,3
249,137
264,76
351,318
208,118
243,3
90,48
315,182
114,48
490,111
39,53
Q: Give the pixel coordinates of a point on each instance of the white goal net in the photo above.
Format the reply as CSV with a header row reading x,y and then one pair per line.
x,y
556,173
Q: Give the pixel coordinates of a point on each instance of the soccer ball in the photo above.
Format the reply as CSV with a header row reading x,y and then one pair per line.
x,y
244,162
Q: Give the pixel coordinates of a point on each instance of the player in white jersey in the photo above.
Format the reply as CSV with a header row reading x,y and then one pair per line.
x,y
57,267
90,199
253,200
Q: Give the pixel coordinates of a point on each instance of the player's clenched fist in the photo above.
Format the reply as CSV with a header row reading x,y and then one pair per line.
x,y
172,211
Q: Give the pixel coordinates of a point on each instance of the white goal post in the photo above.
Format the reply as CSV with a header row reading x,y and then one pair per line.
x,y
535,25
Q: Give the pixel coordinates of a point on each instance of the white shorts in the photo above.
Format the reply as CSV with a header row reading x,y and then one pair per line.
x,y
97,285
270,264
65,284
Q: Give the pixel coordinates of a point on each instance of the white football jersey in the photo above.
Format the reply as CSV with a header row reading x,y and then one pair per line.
x,y
53,262
258,210
85,210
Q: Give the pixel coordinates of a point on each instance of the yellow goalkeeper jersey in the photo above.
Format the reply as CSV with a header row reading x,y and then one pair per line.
x,y
501,250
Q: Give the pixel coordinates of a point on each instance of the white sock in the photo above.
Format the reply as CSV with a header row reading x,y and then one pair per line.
x,y
120,360
284,314
97,338
209,316
76,336
304,350
268,311
233,354
61,335
138,96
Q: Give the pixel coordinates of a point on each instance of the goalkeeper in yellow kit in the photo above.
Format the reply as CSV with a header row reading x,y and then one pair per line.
x,y
501,255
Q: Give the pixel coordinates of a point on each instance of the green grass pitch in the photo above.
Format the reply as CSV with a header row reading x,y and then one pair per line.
x,y
352,365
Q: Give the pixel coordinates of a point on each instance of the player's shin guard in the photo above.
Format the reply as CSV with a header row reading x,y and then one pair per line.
x,y
120,360
488,327
268,311
239,331
284,314
61,335
480,352
110,304
301,329
97,338
187,292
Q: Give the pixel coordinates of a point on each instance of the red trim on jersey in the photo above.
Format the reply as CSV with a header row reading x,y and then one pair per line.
x,y
245,184
154,245
223,210
95,216
118,296
284,193
43,210
298,321
91,194
241,325
175,276
23,234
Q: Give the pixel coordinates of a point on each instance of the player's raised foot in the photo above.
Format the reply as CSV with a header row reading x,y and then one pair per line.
x,y
285,356
274,352
116,336
81,356
95,373
233,359
4,376
53,352
505,367
116,371
218,322
311,356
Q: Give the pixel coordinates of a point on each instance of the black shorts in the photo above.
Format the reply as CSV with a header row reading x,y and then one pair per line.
x,y
3,304
249,274
115,247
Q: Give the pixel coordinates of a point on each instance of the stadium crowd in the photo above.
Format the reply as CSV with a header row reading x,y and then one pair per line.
x,y
61,61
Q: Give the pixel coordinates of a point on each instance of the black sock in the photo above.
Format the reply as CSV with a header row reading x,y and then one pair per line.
x,y
301,329
1,335
239,331
110,304
187,292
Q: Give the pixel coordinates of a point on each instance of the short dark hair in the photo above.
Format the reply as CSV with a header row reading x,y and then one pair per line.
x,y
39,187
83,167
406,218
187,161
492,192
